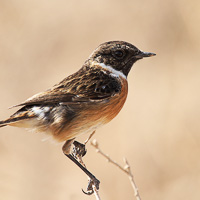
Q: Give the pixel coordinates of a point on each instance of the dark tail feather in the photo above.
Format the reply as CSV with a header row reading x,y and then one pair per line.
x,y
16,117
21,114
2,124
11,120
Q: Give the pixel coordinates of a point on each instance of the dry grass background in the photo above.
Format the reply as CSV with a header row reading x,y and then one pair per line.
x,y
41,42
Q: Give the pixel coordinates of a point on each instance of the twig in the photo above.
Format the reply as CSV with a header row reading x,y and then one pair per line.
x,y
125,169
86,141
96,192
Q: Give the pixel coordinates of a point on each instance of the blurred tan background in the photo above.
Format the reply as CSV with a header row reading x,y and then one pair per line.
x,y
158,130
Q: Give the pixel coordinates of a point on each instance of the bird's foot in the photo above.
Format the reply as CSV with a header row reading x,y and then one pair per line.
x,y
92,182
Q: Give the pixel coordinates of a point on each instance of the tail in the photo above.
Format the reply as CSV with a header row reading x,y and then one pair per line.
x,y
17,118
8,121
3,123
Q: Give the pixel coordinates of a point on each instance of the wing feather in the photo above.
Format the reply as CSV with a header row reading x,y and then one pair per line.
x,y
90,86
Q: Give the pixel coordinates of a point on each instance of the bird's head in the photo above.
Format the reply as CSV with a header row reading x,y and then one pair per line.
x,y
119,55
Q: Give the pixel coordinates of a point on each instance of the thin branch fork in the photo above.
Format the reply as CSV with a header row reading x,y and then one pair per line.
x,y
126,169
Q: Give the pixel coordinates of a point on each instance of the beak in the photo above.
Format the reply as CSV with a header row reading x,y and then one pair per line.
x,y
144,54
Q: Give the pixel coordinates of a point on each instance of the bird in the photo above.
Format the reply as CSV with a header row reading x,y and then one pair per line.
x,y
83,101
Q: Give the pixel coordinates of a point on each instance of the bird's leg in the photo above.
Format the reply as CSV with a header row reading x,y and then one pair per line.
x,y
78,152
79,149
67,146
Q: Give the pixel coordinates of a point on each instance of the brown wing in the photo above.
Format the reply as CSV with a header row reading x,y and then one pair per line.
x,y
84,86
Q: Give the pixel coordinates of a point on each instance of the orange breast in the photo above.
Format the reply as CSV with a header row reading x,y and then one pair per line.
x,y
110,109
94,115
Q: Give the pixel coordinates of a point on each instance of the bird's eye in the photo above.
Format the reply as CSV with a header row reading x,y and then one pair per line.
x,y
119,54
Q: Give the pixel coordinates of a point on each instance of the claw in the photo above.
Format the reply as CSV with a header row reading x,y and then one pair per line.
x,y
90,189
88,192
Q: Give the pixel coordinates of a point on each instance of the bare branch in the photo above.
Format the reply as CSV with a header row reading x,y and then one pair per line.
x,y
96,192
86,141
126,169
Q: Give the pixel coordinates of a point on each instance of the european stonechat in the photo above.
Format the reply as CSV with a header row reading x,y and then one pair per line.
x,y
83,101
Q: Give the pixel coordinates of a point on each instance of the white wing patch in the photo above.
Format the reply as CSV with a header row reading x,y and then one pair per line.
x,y
40,111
